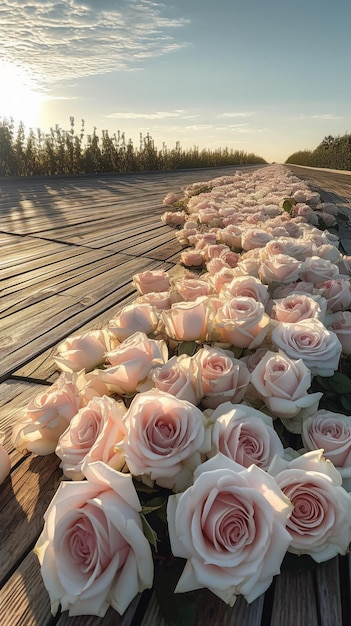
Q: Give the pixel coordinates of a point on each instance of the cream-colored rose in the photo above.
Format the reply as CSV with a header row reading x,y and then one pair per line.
x,y
317,270
81,352
164,440
131,362
219,376
91,436
175,377
189,321
230,526
310,341
247,286
337,293
254,238
341,325
245,435
296,307
92,550
47,416
320,523
150,281
280,268
134,318
192,258
241,322
189,289
160,300
282,383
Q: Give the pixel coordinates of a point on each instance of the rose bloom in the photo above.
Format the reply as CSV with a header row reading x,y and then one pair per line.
x,y
332,433
133,318
341,325
254,238
47,416
282,383
230,526
245,435
5,463
91,436
176,218
156,280
170,198
338,294
189,289
81,352
192,258
317,270
165,436
295,308
160,300
92,551
189,321
320,523
330,252
310,341
131,362
247,286
280,268
175,377
219,376
241,322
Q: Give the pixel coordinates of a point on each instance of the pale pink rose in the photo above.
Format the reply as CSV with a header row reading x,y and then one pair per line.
x,y
320,523
90,387
254,238
280,268
341,325
175,377
192,258
329,220
329,252
134,318
300,195
231,235
47,416
220,278
332,433
91,436
247,267
215,251
345,265
230,526
310,341
329,207
230,258
81,352
245,435
338,294
247,286
165,436
160,300
298,249
189,321
300,287
176,218
132,361
92,551
189,289
317,270
156,280
217,265
241,322
295,308
220,377
282,383
5,462
170,198
251,360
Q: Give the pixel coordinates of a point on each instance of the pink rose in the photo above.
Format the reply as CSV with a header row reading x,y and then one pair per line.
x,y
192,258
156,280
92,550
165,436
341,325
5,462
245,435
241,322
280,268
81,352
231,235
189,321
338,294
254,238
189,289
220,377
132,361
295,308
310,341
170,198
47,416
134,318
230,526
332,433
91,436
160,300
282,383
175,377
330,252
316,270
176,218
247,286
320,523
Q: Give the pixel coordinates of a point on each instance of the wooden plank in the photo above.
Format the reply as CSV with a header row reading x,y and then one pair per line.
x,y
295,602
328,593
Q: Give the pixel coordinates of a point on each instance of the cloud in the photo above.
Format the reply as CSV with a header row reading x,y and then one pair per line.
x,y
326,116
158,115
236,114
64,39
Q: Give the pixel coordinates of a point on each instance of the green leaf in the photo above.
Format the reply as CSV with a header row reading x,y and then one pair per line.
x,y
187,347
149,533
337,384
176,609
288,203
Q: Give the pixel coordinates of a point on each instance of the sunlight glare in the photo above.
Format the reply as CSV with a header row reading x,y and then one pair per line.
x,y
19,96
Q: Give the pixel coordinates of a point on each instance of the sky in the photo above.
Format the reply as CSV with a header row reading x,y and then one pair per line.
x,y
268,77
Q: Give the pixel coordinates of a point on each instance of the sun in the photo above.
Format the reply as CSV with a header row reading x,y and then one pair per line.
x,y
20,97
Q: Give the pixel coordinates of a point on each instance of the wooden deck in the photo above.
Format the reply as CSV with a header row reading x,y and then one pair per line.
x,y
69,248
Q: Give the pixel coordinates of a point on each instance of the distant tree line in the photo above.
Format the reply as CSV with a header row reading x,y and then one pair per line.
x,y
67,152
333,153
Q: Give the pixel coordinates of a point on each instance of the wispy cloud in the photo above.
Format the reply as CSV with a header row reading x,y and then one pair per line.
x,y
64,39
236,114
326,116
157,115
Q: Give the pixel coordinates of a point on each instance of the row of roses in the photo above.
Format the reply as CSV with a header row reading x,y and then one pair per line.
x,y
170,393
